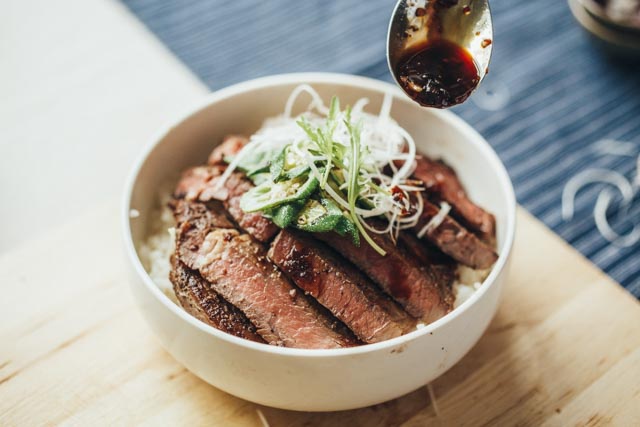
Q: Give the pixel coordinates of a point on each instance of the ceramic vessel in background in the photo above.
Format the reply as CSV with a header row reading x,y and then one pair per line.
x,y
620,39
316,380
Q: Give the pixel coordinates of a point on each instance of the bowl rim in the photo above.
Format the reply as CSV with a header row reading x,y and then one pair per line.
x,y
318,78
598,12
598,25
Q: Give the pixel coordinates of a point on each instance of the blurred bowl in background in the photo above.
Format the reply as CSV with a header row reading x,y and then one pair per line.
x,y
621,38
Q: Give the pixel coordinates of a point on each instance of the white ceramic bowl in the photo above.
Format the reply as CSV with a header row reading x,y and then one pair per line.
x,y
316,380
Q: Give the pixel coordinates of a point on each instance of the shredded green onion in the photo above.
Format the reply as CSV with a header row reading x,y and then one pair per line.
x,y
360,163
354,174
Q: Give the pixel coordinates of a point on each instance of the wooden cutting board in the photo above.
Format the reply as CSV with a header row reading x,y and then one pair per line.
x,y
563,349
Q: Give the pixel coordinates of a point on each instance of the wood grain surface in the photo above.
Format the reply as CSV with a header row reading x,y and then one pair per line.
x,y
563,349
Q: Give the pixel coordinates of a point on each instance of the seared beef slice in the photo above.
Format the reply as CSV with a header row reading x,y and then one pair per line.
x,y
234,187
237,268
202,302
442,181
229,147
415,287
338,286
436,263
254,223
455,240
201,183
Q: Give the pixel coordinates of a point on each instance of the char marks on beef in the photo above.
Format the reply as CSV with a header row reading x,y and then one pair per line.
x,y
339,286
237,269
398,274
202,302
442,181
201,183
455,240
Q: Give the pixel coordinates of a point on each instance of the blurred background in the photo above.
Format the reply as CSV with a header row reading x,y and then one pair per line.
x,y
556,101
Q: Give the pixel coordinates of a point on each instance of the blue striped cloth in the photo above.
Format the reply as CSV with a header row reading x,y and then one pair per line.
x,y
550,96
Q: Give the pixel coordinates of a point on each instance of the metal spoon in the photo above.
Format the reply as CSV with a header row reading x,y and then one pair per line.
x,y
416,23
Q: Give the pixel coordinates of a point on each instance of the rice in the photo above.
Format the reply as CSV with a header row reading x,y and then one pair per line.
x,y
468,281
159,246
157,249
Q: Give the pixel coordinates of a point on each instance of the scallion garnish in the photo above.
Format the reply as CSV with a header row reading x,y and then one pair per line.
x,y
332,170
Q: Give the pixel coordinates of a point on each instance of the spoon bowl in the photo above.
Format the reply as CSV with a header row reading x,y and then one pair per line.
x,y
465,23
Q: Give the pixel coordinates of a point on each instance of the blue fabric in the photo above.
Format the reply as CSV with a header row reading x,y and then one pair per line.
x,y
551,94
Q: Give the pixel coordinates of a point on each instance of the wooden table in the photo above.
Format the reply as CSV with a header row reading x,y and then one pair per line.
x,y
563,349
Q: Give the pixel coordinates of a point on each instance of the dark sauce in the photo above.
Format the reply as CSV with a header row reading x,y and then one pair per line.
x,y
447,3
438,74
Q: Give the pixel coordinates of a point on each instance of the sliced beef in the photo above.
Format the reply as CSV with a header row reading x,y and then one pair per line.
x,y
261,228
201,183
397,273
237,269
339,286
202,302
197,179
203,214
228,148
236,185
455,240
441,266
195,220
441,180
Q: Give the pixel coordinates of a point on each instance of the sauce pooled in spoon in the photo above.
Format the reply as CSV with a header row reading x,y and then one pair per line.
x,y
438,74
